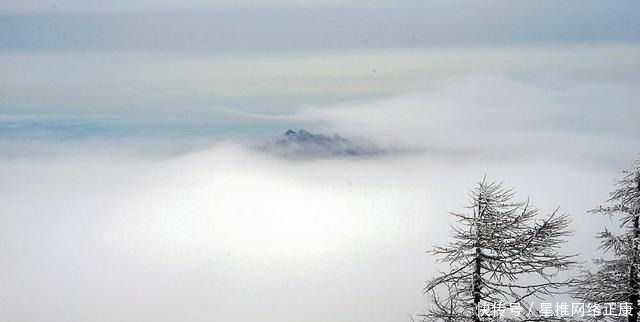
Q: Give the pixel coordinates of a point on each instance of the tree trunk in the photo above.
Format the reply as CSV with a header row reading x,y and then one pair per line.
x,y
633,284
633,271
476,285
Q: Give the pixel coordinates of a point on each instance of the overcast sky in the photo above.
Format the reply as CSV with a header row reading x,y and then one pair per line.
x,y
303,25
132,190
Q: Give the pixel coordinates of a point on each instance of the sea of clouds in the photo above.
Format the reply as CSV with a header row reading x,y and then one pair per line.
x,y
109,219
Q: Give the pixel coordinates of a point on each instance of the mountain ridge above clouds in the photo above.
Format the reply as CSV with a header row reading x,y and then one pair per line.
x,y
304,144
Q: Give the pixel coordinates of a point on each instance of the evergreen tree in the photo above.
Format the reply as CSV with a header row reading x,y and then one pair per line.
x,y
616,277
501,251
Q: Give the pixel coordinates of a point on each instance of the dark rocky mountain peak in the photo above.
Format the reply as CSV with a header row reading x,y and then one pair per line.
x,y
310,145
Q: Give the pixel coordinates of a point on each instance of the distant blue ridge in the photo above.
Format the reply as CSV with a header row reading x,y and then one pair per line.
x,y
36,127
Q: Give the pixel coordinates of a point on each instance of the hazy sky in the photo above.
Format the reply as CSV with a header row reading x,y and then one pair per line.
x,y
131,190
200,57
303,25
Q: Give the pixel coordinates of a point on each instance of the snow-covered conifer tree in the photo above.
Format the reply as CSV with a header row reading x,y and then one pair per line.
x,y
501,252
616,278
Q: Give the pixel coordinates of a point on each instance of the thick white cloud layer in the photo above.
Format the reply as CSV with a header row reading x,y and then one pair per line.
x,y
226,234
499,117
145,228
